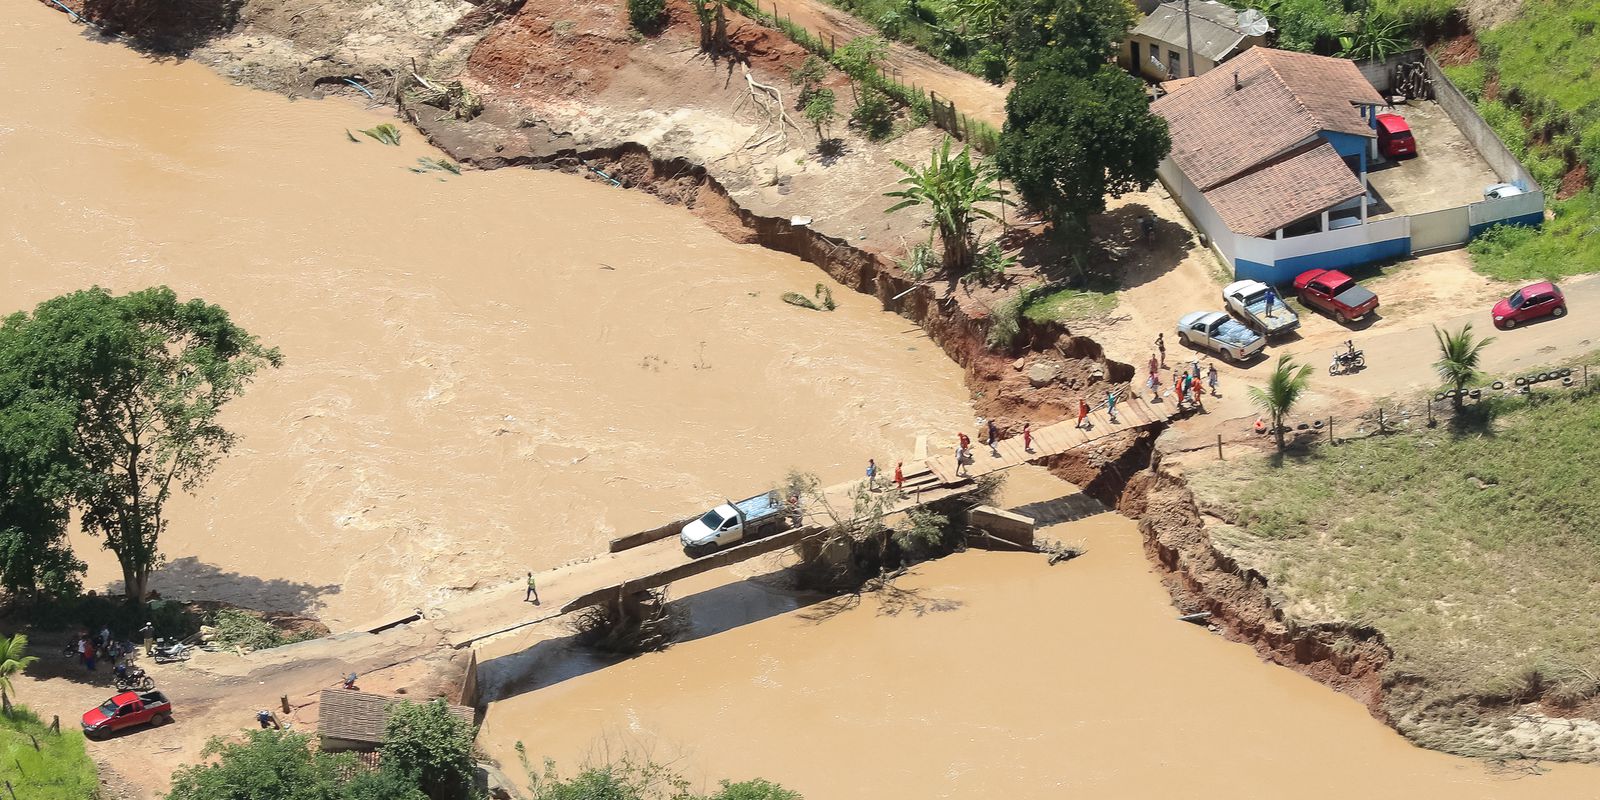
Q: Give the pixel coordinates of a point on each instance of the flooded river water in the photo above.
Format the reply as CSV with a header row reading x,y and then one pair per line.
x,y
483,372
993,675
498,370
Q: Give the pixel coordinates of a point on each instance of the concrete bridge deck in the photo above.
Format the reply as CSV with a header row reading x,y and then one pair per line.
x,y
657,563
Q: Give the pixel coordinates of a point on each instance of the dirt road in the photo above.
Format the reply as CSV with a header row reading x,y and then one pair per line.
x,y
972,95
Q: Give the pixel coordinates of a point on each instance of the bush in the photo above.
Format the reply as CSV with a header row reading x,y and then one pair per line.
x,y
1568,244
873,114
646,15
1469,78
629,778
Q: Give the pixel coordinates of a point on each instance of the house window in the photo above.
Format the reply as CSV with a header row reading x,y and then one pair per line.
x,y
1172,65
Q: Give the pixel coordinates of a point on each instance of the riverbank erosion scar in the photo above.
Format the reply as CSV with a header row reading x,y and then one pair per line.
x,y
496,140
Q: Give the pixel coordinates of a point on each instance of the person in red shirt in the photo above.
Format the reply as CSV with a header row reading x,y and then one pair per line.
x,y
899,476
1027,435
1083,411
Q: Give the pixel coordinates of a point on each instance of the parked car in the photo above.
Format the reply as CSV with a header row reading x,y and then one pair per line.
x,y
1335,293
1394,136
1530,302
750,518
1499,190
127,710
1248,301
1221,334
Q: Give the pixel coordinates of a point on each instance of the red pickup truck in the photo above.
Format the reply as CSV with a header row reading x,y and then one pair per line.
x,y
127,710
1335,293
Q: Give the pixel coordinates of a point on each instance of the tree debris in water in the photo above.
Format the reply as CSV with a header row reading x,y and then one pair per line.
x,y
433,164
386,133
823,299
1062,551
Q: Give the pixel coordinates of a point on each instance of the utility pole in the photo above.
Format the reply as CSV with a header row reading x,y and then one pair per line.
x,y
1188,29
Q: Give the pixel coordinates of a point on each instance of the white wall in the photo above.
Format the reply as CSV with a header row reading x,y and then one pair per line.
x,y
1382,230
1487,211
1199,210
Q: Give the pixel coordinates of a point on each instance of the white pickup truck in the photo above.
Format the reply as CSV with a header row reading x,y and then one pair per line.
x,y
750,518
1248,301
1219,333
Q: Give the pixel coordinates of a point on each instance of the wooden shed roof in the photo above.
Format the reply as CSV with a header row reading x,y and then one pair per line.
x,y
363,716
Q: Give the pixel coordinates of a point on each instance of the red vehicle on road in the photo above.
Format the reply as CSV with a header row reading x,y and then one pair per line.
x,y
1394,136
127,710
1530,303
1335,293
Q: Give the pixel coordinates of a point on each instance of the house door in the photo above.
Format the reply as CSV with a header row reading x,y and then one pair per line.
x,y
1133,57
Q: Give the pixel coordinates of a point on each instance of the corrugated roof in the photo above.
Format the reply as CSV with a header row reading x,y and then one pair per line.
x,y
1283,99
1216,27
363,716
1305,183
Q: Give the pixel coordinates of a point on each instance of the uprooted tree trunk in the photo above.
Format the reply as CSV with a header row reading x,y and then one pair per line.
x,y
633,623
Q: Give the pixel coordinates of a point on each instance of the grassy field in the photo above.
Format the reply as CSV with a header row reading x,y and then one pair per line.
x,y
1068,305
58,770
1476,554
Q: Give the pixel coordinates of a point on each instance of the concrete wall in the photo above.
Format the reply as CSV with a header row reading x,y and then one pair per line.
x,y
1193,203
1381,73
1277,261
1439,230
633,540
1523,209
1002,524
1476,130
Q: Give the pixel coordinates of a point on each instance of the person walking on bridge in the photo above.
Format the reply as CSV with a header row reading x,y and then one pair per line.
x,y
872,474
899,476
1027,432
994,439
1083,411
1111,406
533,591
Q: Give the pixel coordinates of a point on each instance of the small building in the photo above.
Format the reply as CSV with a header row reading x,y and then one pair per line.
x,y
1158,47
352,720
1276,145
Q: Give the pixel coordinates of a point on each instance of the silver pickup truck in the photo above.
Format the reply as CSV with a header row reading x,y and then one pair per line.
x,y
1221,334
1248,301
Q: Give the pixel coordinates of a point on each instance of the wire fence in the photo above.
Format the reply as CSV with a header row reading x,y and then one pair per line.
x,y
888,79
1421,413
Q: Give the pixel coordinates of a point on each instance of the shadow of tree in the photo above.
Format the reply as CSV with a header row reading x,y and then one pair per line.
x,y
189,578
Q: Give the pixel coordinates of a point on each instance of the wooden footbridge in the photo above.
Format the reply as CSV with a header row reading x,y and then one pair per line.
x,y
654,558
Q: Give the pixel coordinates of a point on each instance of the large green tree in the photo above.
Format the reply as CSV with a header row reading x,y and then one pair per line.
x,y
431,747
143,378
35,435
1070,140
1086,32
953,188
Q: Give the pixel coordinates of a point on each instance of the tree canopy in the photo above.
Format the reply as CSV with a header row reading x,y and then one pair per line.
x,y
280,765
1070,140
430,747
134,383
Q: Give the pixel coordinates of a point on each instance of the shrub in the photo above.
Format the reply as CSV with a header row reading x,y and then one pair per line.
x,y
431,747
1470,78
235,628
873,114
645,15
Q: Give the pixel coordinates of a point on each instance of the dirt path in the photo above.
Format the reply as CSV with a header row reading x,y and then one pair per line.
x,y
972,95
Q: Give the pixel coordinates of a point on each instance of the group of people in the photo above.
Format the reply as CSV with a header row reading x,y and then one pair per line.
x,y
1185,382
103,646
964,443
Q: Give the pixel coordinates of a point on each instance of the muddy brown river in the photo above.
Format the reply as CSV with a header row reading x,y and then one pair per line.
x,y
483,372
495,370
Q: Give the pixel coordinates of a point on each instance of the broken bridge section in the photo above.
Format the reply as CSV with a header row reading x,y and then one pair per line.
x,y
652,559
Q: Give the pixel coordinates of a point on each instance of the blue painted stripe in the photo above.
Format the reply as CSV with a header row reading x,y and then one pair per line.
x,y
1284,270
1532,220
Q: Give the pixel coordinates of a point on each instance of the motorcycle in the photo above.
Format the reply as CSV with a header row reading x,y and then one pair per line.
x,y
166,652
1348,361
132,679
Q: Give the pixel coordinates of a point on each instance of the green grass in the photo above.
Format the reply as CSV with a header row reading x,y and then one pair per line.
x,y
58,770
1476,555
1568,244
1067,305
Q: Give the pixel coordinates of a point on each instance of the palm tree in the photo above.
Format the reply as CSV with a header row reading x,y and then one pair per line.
x,y
953,186
13,660
1284,386
1458,358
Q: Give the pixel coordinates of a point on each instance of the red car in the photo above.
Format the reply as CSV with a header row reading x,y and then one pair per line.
x,y
1394,136
1335,293
127,710
1530,303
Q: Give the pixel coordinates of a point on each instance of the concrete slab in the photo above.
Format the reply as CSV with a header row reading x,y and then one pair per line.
x,y
1447,172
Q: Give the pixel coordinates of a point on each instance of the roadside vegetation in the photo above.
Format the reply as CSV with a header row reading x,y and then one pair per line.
x,y
1473,550
631,778
426,755
42,764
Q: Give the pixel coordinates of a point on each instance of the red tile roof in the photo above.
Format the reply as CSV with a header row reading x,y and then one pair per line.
x,y
1282,100
1283,191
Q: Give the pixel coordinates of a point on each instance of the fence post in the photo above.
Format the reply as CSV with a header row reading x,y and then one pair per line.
x,y
1381,427
1330,430
1219,447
